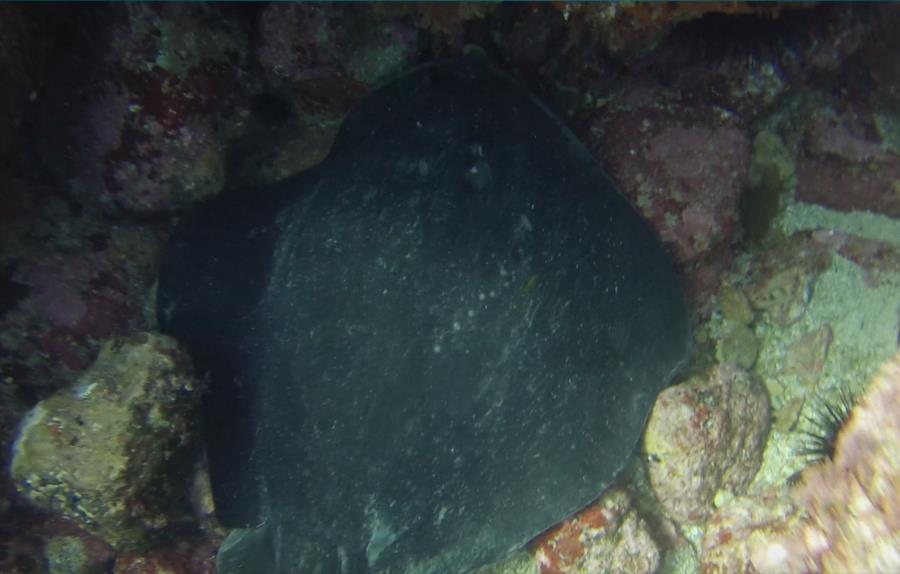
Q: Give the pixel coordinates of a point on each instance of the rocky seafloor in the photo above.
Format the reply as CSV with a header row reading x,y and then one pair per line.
x,y
762,142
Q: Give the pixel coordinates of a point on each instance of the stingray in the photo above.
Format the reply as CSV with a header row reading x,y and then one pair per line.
x,y
431,347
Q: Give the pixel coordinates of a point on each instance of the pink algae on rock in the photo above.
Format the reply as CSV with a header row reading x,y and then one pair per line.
x,y
732,529
330,56
843,515
845,165
877,259
850,519
705,435
607,536
684,167
681,165
146,138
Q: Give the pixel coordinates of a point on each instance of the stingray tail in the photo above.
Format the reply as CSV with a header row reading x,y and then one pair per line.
x,y
249,551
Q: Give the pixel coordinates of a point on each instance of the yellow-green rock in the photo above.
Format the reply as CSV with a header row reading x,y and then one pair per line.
x,y
737,345
108,453
734,306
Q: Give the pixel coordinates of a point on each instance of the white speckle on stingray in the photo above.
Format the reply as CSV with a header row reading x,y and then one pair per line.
x,y
383,534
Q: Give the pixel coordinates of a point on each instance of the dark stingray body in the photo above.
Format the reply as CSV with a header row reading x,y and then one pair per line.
x,y
430,348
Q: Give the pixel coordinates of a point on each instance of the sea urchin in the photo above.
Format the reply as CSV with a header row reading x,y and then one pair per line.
x,y
824,425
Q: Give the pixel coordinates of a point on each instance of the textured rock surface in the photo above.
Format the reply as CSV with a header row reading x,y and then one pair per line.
x,y
145,138
331,55
684,167
785,295
851,518
848,328
841,517
735,527
629,29
188,555
734,306
703,436
33,542
607,536
846,164
805,356
878,259
784,278
737,345
70,555
78,285
99,453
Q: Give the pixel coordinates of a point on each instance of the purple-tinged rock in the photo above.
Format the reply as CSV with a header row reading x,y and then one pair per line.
x,y
850,505
705,435
684,167
845,164
146,138
736,527
77,287
330,56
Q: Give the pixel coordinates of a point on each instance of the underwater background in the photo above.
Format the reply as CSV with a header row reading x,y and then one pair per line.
x,y
761,141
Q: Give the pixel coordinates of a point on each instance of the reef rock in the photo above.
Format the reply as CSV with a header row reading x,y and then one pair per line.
x,y
736,527
851,504
99,453
705,435
607,536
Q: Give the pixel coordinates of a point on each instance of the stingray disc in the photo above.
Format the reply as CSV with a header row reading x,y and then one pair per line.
x,y
428,349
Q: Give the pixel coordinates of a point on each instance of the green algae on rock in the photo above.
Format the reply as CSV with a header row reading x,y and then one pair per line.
x,y
99,453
